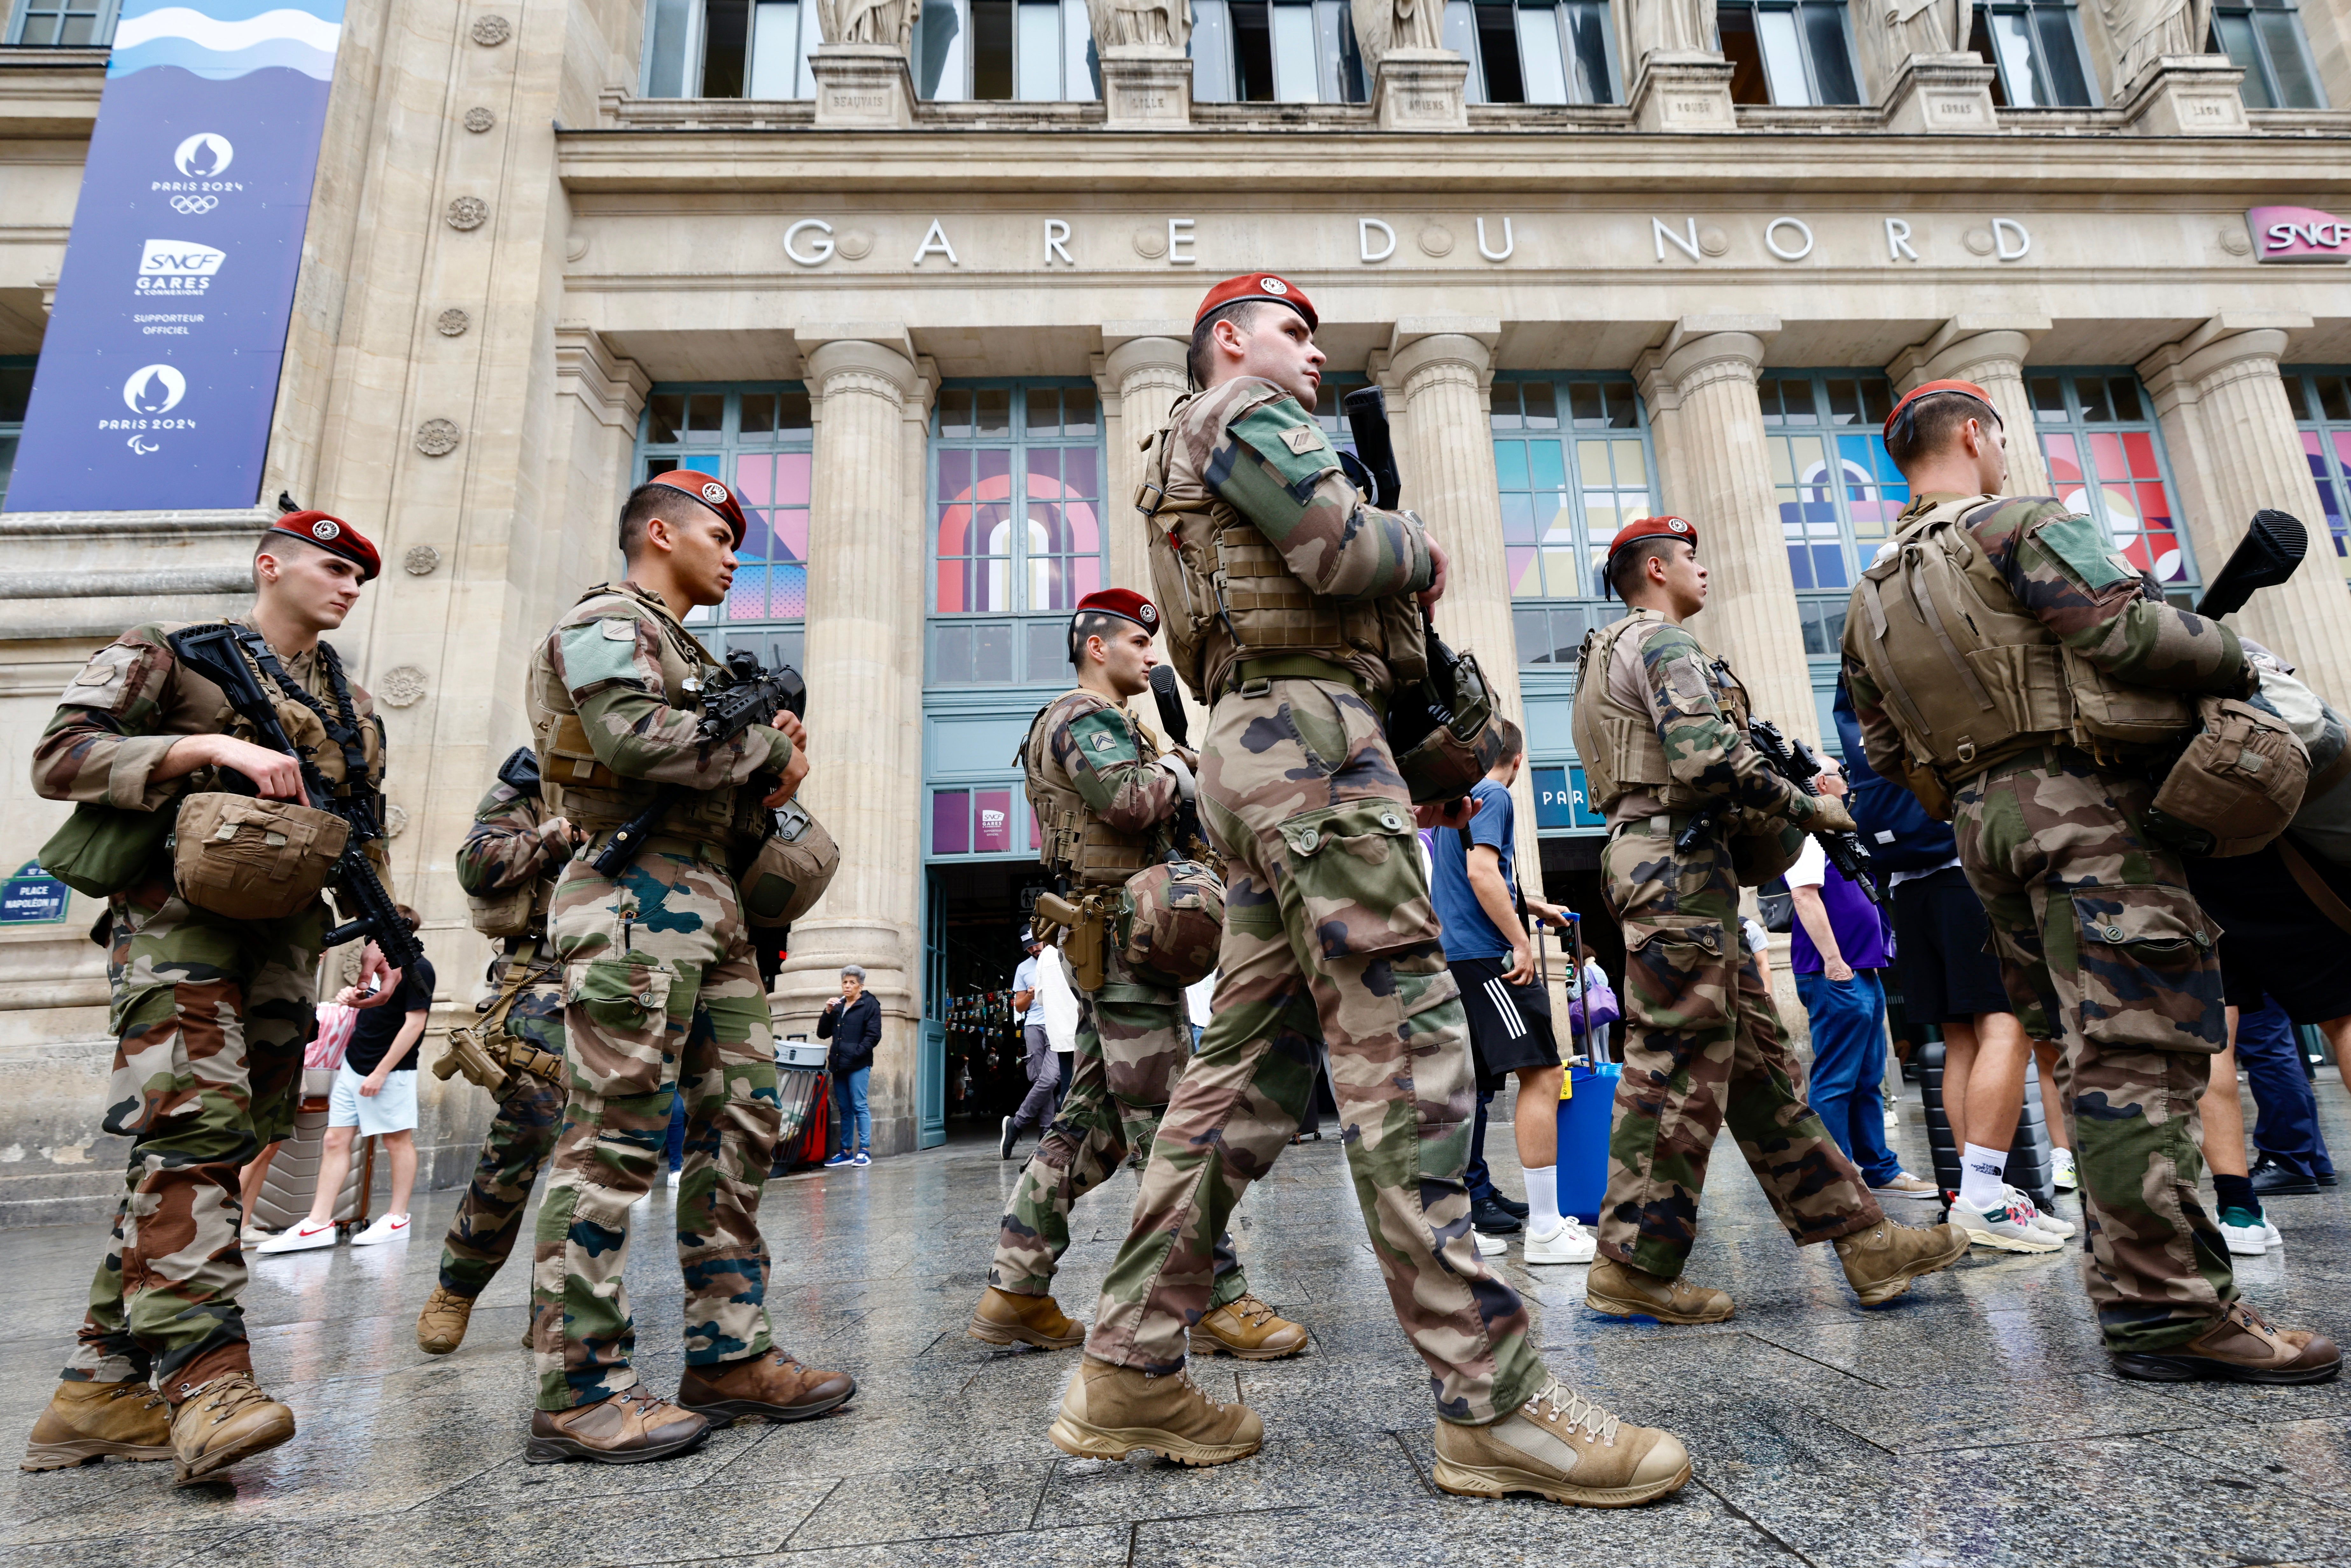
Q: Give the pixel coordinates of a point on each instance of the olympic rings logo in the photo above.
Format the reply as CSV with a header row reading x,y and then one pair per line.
x,y
193,204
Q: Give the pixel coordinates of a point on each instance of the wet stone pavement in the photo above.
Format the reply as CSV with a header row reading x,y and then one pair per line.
x,y
1973,1422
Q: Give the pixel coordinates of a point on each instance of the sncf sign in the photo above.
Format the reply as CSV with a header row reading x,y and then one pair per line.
x,y
2298,234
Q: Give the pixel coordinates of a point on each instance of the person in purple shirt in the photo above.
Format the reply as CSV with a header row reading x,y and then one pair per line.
x,y
1835,942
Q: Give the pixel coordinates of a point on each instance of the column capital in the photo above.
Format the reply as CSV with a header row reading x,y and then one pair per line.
x,y
1421,343
2233,342
1964,342
1698,345
879,355
1143,353
613,388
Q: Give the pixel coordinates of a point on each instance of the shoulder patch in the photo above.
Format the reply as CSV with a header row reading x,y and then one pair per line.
x,y
2080,545
1290,444
619,630
598,652
1102,736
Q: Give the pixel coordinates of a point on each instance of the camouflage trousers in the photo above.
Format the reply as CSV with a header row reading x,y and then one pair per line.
x,y
662,999
2093,922
521,1137
209,1016
1133,1039
1330,939
1704,1045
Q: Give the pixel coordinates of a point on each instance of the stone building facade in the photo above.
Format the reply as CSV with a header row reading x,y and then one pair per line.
x,y
915,276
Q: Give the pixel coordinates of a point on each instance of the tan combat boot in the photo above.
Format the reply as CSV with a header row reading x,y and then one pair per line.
x,y
1248,1329
1561,1445
88,1421
626,1429
441,1326
1619,1290
1003,1318
1881,1261
2241,1348
773,1387
222,1422
1111,1411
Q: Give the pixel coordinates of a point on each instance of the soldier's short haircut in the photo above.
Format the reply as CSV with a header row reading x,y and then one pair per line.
x,y
1514,741
1241,313
647,502
1933,423
1088,623
269,544
1625,568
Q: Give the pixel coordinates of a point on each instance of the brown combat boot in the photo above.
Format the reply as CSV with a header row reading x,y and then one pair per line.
x,y
1616,1289
88,1421
1248,1329
441,1326
773,1387
2241,1348
1111,1411
628,1428
1563,1446
1003,1318
222,1422
1881,1261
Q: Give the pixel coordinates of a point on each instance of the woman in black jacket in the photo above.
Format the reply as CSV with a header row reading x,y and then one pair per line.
x,y
853,1021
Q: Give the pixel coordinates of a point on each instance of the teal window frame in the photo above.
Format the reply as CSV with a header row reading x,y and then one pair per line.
x,y
28,19
1548,625
2267,40
2100,402
1825,518
2320,396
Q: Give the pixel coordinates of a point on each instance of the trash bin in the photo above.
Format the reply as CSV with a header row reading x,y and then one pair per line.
x,y
800,1087
1584,1120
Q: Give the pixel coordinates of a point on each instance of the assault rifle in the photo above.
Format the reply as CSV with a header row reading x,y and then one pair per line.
x,y
1797,763
1375,467
213,651
519,771
747,696
2273,545
1190,840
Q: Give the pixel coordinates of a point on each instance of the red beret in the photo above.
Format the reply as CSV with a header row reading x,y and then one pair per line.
x,y
1124,602
710,493
1653,528
334,536
1928,389
1257,285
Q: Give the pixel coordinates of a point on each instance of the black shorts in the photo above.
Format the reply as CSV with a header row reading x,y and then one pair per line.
x,y
1941,939
2273,938
1509,1026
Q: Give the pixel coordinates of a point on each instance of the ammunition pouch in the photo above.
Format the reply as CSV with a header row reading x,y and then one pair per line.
x,y
105,849
244,858
789,871
1171,922
499,916
1443,764
2236,785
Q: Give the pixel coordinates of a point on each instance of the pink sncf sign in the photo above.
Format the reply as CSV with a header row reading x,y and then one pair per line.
x,y
2298,234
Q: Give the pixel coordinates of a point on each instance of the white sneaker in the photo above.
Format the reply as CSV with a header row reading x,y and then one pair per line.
x,y
391,1227
2060,1170
1488,1246
674,1175
2270,1231
253,1235
2246,1240
1892,1120
1570,1243
1904,1184
2007,1227
2059,1228
302,1237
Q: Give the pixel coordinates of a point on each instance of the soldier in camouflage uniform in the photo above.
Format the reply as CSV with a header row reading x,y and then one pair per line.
x,y
514,850
1294,609
1106,798
662,999
210,1016
2031,711
1661,728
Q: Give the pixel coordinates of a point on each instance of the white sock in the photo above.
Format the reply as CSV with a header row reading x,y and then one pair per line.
x,y
1542,1197
1981,1170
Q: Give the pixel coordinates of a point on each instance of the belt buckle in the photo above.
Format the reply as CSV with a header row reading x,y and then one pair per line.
x,y
1255,687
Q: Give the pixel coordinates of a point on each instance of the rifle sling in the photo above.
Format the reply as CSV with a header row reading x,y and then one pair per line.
x,y
520,967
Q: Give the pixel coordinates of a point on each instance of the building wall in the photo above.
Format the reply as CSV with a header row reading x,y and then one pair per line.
x,y
631,244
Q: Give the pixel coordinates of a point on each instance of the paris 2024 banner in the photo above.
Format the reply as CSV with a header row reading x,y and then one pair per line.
x,y
158,371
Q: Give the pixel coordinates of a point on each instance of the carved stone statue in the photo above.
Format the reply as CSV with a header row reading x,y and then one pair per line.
x,y
1673,27
2145,29
1923,28
889,21
1384,27
1157,24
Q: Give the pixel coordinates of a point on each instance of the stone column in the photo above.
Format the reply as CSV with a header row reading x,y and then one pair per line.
x,y
1140,379
2226,417
1723,472
1990,351
865,632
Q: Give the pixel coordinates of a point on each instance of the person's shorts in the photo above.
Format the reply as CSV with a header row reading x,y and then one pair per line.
x,y
2273,937
1509,1026
392,1109
1940,940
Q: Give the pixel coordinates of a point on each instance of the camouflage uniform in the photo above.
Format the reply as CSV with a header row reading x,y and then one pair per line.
x,y
210,1016
1703,1040
662,998
2093,920
1134,1035
1329,936
503,851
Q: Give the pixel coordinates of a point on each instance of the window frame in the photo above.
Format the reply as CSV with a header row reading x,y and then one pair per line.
x,y
1984,12
1338,74
1074,47
11,431
1460,33
108,13
1804,50
805,37
1821,610
2189,587
2262,68
2331,463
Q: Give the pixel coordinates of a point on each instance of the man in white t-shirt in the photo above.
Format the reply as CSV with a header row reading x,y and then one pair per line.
x,y
1036,1109
1059,1000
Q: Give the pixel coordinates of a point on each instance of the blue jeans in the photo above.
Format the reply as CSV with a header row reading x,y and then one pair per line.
x,y
1849,1068
2287,1131
849,1111
677,1132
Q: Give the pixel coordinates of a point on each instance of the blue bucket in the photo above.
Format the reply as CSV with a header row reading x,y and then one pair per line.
x,y
1583,1123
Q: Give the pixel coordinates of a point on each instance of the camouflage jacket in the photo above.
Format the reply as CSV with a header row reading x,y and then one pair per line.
x,y
1095,787
503,850
2064,574
1663,671
131,703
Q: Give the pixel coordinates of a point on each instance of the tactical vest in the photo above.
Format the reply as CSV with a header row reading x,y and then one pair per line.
x,y
1075,842
1618,744
1225,593
1971,677
329,730
574,784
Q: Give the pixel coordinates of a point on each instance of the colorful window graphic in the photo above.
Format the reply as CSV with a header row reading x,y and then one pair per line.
x,y
1839,493
1573,462
758,439
2322,407
2105,459
983,819
1019,499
